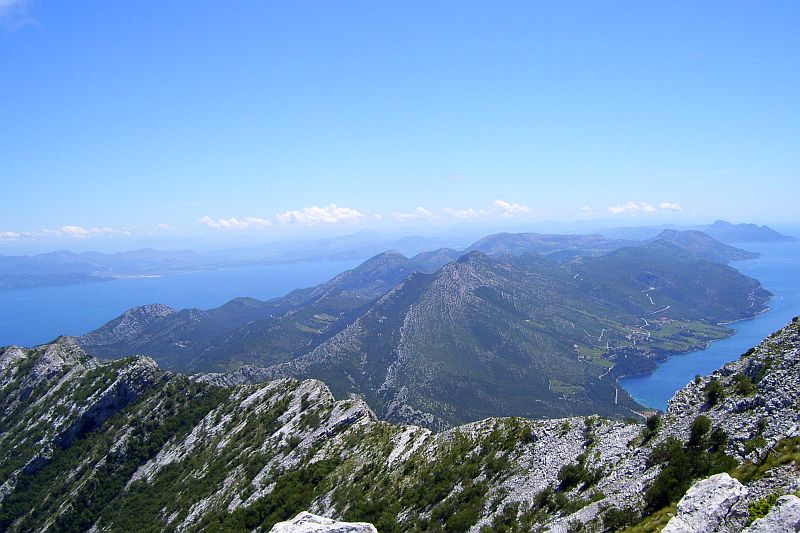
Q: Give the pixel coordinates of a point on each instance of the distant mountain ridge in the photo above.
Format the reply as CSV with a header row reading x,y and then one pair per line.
x,y
63,267
721,230
705,246
727,232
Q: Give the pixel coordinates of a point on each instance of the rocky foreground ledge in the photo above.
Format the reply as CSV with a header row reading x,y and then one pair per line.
x,y
311,523
122,445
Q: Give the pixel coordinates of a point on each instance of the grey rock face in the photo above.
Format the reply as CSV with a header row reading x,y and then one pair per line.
x,y
784,517
715,504
311,523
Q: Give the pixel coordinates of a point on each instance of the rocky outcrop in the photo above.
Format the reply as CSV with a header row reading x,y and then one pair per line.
x,y
784,517
754,419
714,505
311,523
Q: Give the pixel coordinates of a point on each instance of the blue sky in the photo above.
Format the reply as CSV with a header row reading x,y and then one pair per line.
x,y
129,121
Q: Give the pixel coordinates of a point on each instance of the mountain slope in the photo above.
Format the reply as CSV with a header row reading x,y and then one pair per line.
x,y
529,337
522,243
567,246
705,246
126,446
246,330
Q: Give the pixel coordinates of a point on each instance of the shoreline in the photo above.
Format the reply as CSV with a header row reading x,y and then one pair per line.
x,y
667,356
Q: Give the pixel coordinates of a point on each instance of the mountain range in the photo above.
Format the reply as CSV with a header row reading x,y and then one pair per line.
x,y
736,233
64,267
435,341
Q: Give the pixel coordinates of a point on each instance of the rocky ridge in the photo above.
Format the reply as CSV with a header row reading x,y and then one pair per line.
x,y
136,447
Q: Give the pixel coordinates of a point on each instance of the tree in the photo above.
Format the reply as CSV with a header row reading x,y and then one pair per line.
x,y
744,386
698,437
714,391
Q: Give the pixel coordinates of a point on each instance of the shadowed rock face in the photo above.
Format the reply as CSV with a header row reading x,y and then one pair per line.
x,y
311,523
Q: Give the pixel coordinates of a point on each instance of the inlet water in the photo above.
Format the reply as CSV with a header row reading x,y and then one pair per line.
x,y
778,270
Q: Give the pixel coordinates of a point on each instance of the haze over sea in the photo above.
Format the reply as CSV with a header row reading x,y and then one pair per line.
x,y
777,270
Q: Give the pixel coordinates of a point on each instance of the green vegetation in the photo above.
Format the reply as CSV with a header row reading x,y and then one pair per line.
x,y
714,392
760,508
744,386
685,462
654,522
786,451
763,370
293,493
652,424
616,519
103,485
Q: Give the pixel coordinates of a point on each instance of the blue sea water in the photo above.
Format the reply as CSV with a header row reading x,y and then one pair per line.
x,y
778,270
33,316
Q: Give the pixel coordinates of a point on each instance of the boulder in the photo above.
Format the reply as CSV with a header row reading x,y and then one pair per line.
x,y
716,504
784,517
311,523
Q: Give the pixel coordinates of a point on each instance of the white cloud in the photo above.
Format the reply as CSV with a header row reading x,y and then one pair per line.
x,y
508,209
642,207
418,214
82,232
8,6
14,14
312,216
68,231
74,231
632,207
587,210
235,223
463,213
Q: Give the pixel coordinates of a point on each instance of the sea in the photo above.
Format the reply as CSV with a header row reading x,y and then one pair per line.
x,y
778,270
33,316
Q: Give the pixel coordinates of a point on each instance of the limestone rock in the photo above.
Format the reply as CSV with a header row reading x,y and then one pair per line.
x,y
311,523
784,517
715,504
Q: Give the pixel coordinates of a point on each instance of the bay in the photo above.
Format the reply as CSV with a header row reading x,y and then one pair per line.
x,y
778,270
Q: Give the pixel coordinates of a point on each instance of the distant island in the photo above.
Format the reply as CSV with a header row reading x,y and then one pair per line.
x,y
727,232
